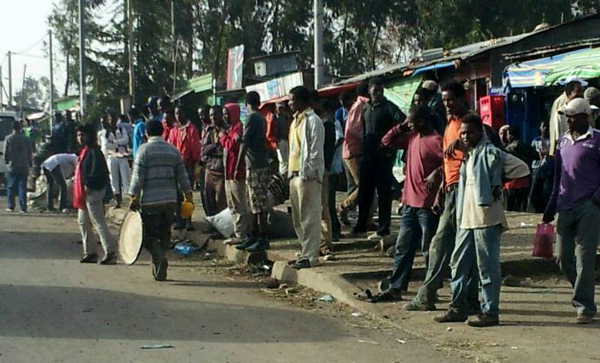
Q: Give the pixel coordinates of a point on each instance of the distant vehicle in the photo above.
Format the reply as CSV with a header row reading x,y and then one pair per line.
x,y
6,126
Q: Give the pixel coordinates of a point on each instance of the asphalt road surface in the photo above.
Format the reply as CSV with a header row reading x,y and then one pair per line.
x,y
53,309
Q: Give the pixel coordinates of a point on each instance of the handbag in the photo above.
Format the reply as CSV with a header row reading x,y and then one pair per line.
x,y
543,244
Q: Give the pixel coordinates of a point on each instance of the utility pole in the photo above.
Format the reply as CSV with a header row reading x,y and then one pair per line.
x,y
9,80
1,90
22,90
51,97
130,51
174,46
82,87
319,61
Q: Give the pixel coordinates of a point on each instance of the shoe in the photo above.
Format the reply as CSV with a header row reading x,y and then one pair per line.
x,y
299,265
484,321
375,237
109,259
233,241
388,295
249,241
584,319
344,217
9,210
259,246
451,317
325,251
415,306
89,258
160,271
473,310
23,212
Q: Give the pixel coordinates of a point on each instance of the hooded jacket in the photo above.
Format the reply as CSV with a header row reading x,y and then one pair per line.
x,y
231,144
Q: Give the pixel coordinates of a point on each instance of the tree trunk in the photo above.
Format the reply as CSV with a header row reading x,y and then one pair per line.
x,y
374,49
217,63
344,35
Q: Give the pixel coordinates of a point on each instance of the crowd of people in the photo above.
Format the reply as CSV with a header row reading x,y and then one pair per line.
x,y
460,176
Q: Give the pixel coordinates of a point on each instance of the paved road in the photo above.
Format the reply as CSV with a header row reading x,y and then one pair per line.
x,y
53,309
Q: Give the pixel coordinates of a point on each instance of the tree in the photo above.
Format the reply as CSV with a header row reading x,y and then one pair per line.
x,y
31,94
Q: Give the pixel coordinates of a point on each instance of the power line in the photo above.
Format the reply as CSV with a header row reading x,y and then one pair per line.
x,y
31,47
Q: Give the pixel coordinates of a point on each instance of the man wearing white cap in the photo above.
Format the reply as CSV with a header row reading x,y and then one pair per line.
x,y
558,123
576,197
592,95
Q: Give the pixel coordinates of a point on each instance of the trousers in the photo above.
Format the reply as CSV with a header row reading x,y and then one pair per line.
x,y
93,215
120,174
237,202
55,178
305,196
16,184
157,222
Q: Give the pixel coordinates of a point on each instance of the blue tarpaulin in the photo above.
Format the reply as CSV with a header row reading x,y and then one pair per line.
x,y
532,73
433,67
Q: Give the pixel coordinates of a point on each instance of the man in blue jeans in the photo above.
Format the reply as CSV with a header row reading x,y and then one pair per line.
x,y
418,223
480,220
18,155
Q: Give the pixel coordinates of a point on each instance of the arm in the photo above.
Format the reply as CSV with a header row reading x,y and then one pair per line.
x,y
138,174
397,137
7,147
124,139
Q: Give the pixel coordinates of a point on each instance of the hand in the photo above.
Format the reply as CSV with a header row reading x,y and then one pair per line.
x,y
438,204
134,204
548,217
431,181
497,192
188,197
221,134
451,150
88,190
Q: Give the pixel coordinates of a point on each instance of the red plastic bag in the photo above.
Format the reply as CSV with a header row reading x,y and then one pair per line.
x,y
543,244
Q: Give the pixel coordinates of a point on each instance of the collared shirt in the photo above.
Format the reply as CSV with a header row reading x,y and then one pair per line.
x,y
353,134
577,176
452,164
66,162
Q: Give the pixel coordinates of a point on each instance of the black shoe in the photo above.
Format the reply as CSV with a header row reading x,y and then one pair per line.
x,y
259,246
160,271
388,295
89,258
299,265
248,241
109,259
451,317
415,306
473,310
484,321
344,217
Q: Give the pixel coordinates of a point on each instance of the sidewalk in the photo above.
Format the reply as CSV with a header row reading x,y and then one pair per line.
x,y
536,315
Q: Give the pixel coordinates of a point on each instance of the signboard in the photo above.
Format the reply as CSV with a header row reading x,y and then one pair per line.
x,y
235,67
277,87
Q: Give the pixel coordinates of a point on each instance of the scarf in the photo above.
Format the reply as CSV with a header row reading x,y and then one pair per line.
x,y
78,186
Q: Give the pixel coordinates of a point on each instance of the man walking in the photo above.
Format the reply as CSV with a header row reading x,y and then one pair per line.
x,y
158,177
418,223
576,197
18,156
254,151
379,117
306,168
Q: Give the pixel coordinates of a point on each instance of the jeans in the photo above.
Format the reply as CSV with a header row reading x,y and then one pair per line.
x,y
54,178
577,233
541,189
478,247
157,222
417,228
375,175
440,252
93,215
120,174
332,189
16,183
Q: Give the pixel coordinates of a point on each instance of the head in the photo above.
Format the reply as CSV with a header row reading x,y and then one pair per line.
x,y
431,86
315,101
328,108
346,99
68,115
513,134
503,134
577,112
419,119
231,113
453,96
204,115
165,105
280,108
58,117
544,129
573,90
299,99
471,130
152,105
180,115
592,95
363,89
376,89
253,100
216,116
17,126
134,114
421,97
86,135
154,128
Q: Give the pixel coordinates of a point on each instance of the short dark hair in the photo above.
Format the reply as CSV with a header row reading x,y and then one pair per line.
x,y
363,89
301,93
456,88
377,81
154,128
165,101
217,109
422,112
514,131
134,113
253,99
346,96
17,126
423,92
89,130
328,106
314,96
473,119
570,87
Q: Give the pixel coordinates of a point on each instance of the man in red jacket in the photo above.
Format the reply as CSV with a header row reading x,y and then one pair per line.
x,y
187,140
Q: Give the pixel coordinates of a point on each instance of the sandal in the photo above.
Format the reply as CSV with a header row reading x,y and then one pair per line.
x,y
387,296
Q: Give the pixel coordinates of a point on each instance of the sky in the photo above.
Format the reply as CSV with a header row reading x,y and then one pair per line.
x,y
23,24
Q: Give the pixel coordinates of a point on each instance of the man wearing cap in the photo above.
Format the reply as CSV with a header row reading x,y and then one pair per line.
x,y
576,197
558,123
592,95
434,101
158,176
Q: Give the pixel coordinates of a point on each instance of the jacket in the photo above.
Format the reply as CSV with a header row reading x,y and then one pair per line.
x,y
231,144
18,153
312,162
353,134
212,150
94,169
187,140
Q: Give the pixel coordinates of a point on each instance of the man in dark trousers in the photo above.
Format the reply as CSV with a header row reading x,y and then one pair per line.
x,y
18,155
379,117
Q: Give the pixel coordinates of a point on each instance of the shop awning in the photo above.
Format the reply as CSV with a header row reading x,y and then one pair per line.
x,y
401,92
67,103
583,64
433,67
197,84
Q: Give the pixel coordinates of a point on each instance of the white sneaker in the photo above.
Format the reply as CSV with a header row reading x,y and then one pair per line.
x,y
375,237
233,241
9,210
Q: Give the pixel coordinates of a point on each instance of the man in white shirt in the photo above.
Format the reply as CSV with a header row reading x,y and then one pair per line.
x,y
57,169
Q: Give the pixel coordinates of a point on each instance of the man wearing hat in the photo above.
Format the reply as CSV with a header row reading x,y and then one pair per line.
x,y
592,95
558,123
576,198
158,176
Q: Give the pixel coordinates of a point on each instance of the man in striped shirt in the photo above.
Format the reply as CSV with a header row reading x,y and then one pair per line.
x,y
158,176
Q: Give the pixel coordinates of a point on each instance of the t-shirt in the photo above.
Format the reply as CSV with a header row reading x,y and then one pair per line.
x,y
256,142
424,156
66,162
452,164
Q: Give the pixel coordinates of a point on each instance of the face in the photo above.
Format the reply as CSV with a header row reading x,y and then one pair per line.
x,y
418,100
543,129
82,138
376,92
294,103
451,102
578,123
470,134
414,123
215,117
180,116
503,134
225,115
280,108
